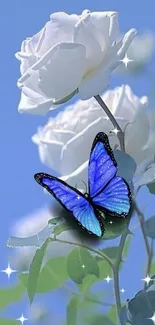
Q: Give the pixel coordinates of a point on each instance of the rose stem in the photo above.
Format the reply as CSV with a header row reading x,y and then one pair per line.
x,y
120,134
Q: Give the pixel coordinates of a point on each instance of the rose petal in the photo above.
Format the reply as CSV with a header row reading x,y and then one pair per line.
x,y
94,83
136,135
38,105
59,29
62,74
87,35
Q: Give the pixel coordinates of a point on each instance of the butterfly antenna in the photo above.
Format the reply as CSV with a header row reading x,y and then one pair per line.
x,y
84,184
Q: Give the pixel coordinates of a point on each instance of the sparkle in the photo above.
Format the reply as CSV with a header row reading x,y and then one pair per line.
x,y
115,131
147,279
111,222
8,271
122,290
83,266
108,279
22,319
126,60
153,318
78,197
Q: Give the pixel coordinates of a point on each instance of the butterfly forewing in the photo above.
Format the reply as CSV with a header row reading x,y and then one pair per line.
x,y
72,200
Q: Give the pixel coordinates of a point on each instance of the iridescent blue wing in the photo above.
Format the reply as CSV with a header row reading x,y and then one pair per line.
x,y
109,192
102,164
72,200
115,199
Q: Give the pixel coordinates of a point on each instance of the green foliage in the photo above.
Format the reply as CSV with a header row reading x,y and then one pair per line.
x,y
72,310
34,271
11,295
67,98
150,227
140,308
126,165
5,321
80,263
52,276
63,226
151,188
31,241
98,320
114,229
152,271
112,314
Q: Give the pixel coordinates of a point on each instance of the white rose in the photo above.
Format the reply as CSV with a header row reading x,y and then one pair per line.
x,y
71,53
64,143
140,52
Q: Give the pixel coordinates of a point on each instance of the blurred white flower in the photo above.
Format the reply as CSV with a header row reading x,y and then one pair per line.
x,y
37,313
64,143
71,53
140,52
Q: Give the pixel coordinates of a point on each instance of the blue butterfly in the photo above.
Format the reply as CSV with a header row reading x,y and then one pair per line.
x,y
108,193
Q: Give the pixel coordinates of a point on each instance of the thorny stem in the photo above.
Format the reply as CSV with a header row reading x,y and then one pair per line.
x,y
120,134
118,260
78,294
117,263
141,221
87,247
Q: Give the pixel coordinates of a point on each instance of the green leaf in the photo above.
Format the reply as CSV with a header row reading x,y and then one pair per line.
x,y
126,165
114,229
151,188
150,227
34,271
72,309
7,321
152,271
54,221
111,252
11,295
141,307
52,276
104,269
65,99
98,320
80,263
112,314
31,241
62,227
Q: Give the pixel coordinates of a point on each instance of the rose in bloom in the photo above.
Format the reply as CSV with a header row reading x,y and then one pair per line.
x,y
140,52
64,143
72,53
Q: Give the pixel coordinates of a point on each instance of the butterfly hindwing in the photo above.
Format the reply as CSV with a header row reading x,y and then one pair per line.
x,y
115,199
72,200
109,192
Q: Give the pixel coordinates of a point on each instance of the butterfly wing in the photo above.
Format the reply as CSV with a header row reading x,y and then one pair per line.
x,y
108,191
72,200
115,199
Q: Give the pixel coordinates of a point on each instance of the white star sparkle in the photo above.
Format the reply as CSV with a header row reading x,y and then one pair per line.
x,y
111,222
147,279
153,318
83,266
22,319
122,290
126,60
108,279
115,131
8,271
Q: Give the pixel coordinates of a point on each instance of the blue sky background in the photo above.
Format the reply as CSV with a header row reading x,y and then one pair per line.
x,y
19,159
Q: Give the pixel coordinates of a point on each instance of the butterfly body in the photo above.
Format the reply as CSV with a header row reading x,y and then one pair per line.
x,y
107,194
